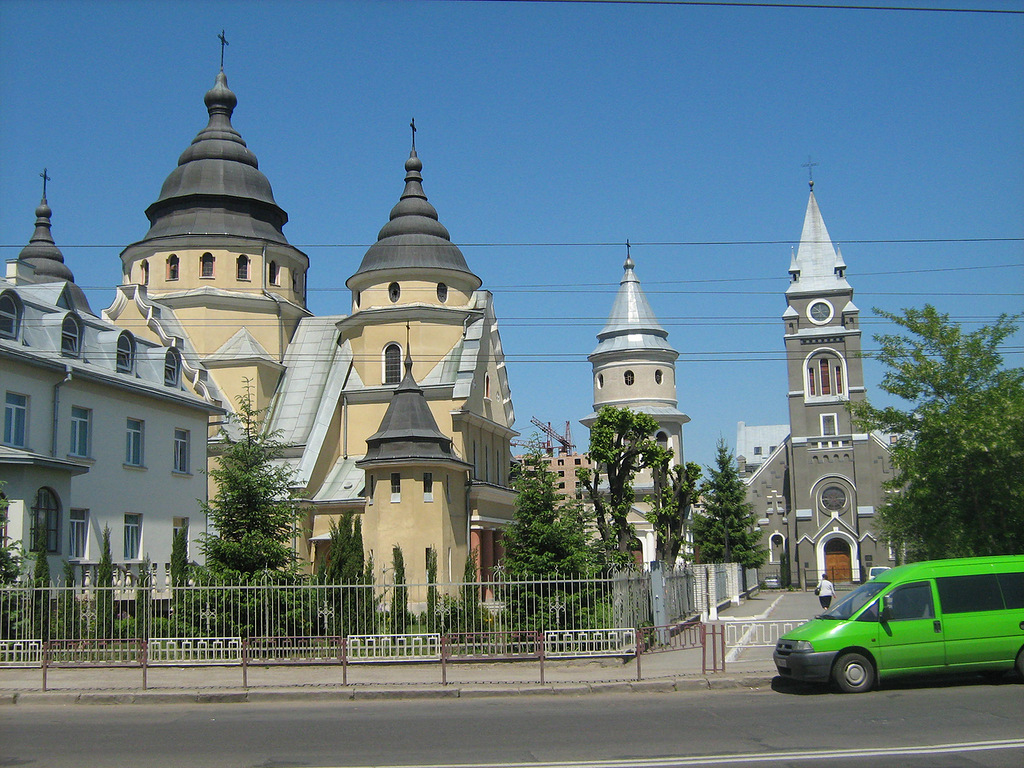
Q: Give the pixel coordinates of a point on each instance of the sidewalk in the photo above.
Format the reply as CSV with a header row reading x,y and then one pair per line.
x,y
668,671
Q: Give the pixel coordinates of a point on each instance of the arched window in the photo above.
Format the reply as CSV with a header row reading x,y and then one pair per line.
x,y
274,273
71,336
394,292
125,362
172,368
358,297
242,267
662,439
145,273
487,386
206,265
658,376
392,364
46,520
628,378
172,267
442,292
600,380
10,316
825,376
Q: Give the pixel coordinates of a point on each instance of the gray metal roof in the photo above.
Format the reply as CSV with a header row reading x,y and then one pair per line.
x,y
217,188
413,238
408,430
817,265
631,324
47,261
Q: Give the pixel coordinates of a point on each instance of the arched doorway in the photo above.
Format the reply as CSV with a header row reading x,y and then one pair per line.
x,y
838,563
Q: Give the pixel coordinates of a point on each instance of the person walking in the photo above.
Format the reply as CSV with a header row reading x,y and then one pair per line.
x,y
825,591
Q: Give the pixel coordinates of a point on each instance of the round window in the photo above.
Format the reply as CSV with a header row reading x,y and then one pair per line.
x,y
820,311
833,498
394,292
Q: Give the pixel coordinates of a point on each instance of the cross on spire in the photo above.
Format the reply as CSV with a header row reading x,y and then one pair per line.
x,y
45,179
413,126
809,165
223,42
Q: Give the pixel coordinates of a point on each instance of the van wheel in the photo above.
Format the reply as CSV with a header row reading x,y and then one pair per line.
x,y
853,673
1020,664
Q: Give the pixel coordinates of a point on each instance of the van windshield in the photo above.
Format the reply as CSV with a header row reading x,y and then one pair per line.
x,y
854,601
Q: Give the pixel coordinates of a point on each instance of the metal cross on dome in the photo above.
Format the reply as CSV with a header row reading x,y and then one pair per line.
x,y
223,42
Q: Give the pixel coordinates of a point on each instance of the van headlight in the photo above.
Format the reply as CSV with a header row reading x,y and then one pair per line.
x,y
802,646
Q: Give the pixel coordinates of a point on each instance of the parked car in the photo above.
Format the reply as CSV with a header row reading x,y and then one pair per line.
x,y
877,570
940,616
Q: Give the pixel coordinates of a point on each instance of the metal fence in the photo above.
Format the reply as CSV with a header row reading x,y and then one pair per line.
x,y
311,622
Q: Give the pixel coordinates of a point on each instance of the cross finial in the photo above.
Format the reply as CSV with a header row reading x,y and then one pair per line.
x,y
809,165
223,42
627,247
408,348
45,179
412,125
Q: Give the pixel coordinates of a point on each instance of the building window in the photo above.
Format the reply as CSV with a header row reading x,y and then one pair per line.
x,y
10,317
132,536
80,418
125,360
828,425
46,520
70,336
825,376
757,450
274,273
658,376
172,368
78,532
392,364
394,292
133,443
242,267
181,451
172,267
15,420
662,439
833,498
396,487
487,386
442,292
145,273
600,380
428,486
628,378
838,371
206,265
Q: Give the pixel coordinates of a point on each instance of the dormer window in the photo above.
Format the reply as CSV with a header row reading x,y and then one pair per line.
x,y
242,267
206,265
172,267
125,361
10,316
71,337
172,368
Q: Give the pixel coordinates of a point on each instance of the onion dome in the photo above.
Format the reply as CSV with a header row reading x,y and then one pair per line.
x,y
632,324
413,238
217,188
408,431
42,253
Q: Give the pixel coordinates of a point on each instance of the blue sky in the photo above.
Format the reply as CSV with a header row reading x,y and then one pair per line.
x,y
550,134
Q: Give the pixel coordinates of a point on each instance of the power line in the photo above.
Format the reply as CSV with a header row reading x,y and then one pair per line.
x,y
727,4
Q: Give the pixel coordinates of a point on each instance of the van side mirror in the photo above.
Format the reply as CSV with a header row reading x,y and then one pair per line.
x,y
886,613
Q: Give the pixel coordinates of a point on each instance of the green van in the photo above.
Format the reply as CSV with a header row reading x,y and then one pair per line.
x,y
937,616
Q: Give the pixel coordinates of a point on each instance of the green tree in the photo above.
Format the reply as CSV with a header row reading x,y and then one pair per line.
x,y
958,488
432,594
105,589
10,552
621,444
549,535
399,593
179,557
252,512
675,490
725,532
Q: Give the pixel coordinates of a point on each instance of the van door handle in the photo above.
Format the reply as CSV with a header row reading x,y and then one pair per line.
x,y
1022,625
938,625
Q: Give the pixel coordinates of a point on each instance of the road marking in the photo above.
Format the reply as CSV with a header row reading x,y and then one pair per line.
x,y
749,757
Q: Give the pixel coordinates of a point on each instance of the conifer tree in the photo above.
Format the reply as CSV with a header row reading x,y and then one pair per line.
x,y
399,593
10,557
179,557
725,532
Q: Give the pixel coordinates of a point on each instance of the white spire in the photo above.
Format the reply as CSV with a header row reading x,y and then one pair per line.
x,y
818,266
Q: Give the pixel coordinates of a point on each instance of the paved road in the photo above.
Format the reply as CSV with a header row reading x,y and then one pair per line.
x,y
966,722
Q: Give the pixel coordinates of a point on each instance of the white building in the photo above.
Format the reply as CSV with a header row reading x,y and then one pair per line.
x,y
98,430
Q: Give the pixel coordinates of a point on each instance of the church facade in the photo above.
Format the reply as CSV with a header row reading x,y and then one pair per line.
x,y
816,483
216,277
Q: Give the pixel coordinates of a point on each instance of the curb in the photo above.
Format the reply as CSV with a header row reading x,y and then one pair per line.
x,y
266,696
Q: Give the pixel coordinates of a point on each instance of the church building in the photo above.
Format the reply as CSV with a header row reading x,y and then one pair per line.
x,y
399,410
816,483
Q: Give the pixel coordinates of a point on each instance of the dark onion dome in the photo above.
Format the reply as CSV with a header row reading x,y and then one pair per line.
x,y
48,261
217,188
413,238
408,431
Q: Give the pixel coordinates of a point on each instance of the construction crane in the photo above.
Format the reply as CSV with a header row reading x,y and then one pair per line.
x,y
565,444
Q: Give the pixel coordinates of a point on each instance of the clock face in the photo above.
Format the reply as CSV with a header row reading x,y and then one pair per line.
x,y
821,311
